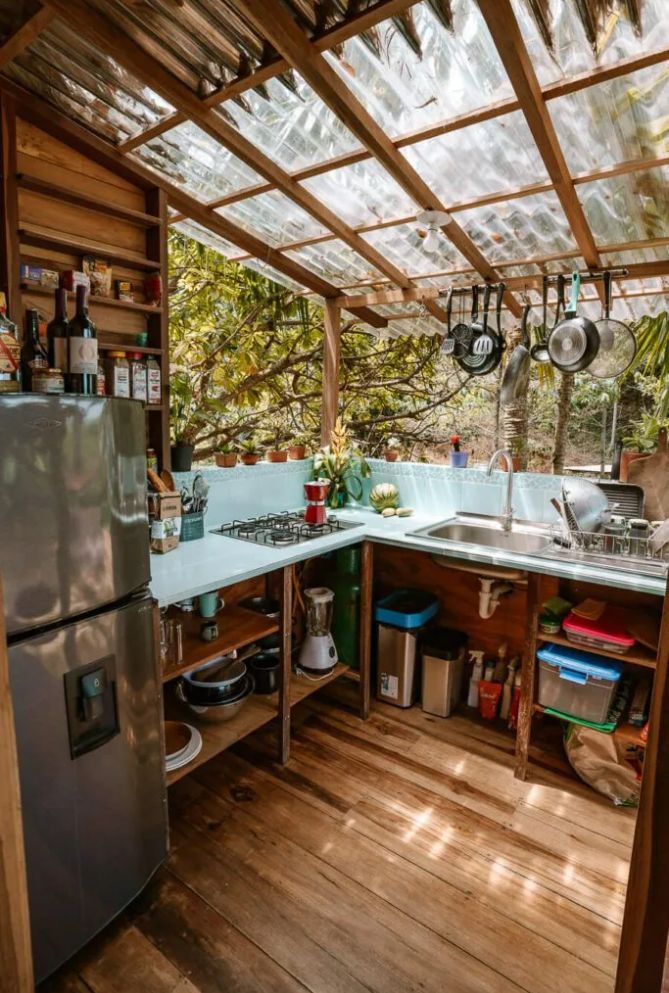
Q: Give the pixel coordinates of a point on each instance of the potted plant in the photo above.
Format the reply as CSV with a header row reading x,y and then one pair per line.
x,y
297,449
226,458
392,450
639,443
343,464
278,454
250,454
182,434
458,458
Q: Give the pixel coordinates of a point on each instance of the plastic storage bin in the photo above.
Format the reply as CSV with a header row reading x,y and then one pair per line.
x,y
608,633
576,682
443,659
402,614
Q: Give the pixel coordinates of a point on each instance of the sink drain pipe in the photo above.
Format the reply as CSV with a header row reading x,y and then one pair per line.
x,y
489,597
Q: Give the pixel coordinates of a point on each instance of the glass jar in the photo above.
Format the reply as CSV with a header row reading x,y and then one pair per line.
x,y
153,380
151,459
118,372
48,381
137,377
101,386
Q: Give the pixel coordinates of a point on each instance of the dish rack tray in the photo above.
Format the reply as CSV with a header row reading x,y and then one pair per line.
x,y
626,552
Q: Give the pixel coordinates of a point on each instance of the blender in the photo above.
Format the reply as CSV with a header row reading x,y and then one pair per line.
x,y
318,653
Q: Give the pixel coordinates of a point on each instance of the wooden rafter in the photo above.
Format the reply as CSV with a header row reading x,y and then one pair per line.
x,y
55,123
110,38
506,35
25,35
277,25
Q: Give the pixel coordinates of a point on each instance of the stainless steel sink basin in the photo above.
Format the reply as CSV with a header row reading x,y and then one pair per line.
x,y
523,537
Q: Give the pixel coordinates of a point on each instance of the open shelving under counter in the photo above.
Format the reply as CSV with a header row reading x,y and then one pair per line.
x,y
638,655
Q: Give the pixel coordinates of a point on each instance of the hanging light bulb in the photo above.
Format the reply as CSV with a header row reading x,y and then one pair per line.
x,y
432,219
431,242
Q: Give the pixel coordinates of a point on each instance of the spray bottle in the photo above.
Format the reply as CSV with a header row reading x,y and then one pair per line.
x,y
507,691
477,672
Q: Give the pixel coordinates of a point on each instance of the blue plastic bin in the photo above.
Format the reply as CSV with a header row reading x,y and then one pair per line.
x,y
577,683
406,609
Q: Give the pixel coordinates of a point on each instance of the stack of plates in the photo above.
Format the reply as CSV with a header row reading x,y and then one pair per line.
x,y
182,743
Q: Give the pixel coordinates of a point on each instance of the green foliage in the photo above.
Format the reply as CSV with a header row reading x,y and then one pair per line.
x,y
652,356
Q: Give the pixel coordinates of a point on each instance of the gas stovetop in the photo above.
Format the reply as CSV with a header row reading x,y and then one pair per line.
x,y
288,528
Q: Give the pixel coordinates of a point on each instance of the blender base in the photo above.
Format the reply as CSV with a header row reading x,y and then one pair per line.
x,y
318,654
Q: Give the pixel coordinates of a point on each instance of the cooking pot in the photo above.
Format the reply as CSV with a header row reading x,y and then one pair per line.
x,y
265,670
215,682
262,605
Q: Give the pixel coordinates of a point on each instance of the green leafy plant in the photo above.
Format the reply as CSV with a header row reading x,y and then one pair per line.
x,y
249,447
343,464
643,438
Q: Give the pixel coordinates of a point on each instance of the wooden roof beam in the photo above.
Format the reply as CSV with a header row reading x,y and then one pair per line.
x,y
25,35
108,37
503,27
49,119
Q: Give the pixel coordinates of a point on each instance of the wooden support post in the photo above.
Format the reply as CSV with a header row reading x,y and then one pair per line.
x,y
16,969
158,326
286,651
331,358
10,265
528,675
643,941
366,609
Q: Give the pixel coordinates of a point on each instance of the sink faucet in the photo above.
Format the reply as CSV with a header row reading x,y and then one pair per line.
x,y
507,513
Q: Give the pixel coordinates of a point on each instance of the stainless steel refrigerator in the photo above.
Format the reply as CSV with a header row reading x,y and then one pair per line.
x,y
74,560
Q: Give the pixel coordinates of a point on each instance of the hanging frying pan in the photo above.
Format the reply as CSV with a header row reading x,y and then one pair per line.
x,y
517,372
617,344
462,332
574,342
448,341
473,362
495,356
539,352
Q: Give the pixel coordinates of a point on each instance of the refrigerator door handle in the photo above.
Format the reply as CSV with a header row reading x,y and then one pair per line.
x,y
90,700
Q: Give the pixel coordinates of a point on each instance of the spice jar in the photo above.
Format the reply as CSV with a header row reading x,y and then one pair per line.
x,y
153,380
48,381
118,371
137,377
153,289
101,385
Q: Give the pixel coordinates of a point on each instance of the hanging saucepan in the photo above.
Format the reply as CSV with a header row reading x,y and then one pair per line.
x,y
574,343
617,344
517,372
479,363
462,332
539,352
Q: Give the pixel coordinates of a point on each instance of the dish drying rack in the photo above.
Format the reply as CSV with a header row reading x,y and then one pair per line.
x,y
627,552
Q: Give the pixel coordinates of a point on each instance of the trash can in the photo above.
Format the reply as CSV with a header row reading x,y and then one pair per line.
x,y
443,655
400,617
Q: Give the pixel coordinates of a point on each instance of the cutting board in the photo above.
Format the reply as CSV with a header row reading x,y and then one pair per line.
x,y
652,474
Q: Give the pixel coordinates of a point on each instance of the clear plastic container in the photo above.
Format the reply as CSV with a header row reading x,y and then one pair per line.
x,y
577,683
608,633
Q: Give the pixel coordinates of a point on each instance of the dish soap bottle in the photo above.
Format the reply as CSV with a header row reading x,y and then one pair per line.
x,y
477,672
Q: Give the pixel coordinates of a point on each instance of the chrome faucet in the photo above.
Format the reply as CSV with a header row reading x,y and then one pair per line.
x,y
507,513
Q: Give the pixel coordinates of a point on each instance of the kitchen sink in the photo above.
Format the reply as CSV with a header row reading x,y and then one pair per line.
x,y
523,537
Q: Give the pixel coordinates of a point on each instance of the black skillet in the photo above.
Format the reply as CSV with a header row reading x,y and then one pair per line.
x,y
482,365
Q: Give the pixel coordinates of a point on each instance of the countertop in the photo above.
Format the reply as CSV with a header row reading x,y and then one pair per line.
x,y
214,561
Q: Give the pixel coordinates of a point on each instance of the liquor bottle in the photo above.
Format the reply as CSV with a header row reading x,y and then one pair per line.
x,y
10,352
57,332
33,352
82,349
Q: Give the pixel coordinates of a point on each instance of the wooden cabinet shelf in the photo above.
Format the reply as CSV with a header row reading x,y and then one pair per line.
x,y
116,346
638,654
101,206
237,627
33,234
625,731
46,291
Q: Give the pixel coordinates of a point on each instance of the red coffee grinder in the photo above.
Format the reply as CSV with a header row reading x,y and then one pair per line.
x,y
316,491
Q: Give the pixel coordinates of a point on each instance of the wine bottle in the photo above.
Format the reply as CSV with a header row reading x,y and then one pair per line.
x,y
33,352
82,349
57,332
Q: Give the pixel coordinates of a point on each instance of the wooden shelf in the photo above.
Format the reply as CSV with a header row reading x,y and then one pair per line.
x,y
117,346
638,654
107,207
237,627
625,731
47,291
257,711
33,234
154,408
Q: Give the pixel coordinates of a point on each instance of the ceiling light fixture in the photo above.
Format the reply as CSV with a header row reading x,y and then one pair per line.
x,y
433,220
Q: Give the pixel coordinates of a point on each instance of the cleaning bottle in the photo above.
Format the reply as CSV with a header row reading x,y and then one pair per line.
x,y
499,675
507,691
477,672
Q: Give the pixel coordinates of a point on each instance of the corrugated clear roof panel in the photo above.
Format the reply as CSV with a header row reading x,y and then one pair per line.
x,y
620,120
421,72
573,52
634,207
334,261
532,226
362,193
193,161
293,127
658,253
403,246
489,157
274,218
89,86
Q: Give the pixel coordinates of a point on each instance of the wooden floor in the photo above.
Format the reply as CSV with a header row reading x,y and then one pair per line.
x,y
392,856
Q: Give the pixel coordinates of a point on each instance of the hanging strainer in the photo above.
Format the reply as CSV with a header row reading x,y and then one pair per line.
x,y
617,344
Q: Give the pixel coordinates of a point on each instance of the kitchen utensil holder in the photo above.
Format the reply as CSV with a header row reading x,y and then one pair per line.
x,y
630,553
192,526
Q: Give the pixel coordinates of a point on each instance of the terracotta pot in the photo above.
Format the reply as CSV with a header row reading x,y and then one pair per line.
x,y
515,460
626,459
391,455
297,452
250,459
277,456
226,460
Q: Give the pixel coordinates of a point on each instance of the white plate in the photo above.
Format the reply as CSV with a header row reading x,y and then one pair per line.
x,y
193,748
